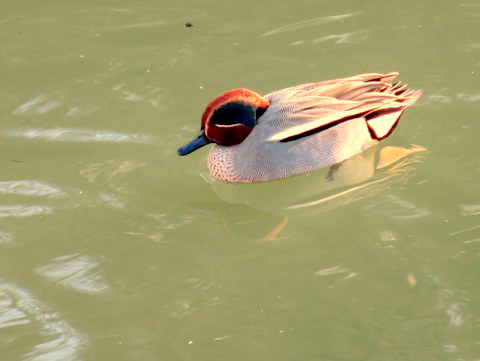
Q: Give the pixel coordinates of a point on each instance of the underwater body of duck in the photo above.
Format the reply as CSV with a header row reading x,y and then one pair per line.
x,y
299,129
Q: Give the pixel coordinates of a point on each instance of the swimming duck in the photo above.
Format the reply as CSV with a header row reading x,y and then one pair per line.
x,y
299,129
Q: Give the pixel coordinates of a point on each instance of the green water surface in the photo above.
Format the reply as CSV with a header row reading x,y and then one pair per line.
x,y
114,248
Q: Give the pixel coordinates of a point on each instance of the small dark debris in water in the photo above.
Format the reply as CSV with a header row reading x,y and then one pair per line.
x,y
188,25
15,160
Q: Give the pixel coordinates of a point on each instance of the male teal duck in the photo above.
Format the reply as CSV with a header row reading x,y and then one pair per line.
x,y
299,129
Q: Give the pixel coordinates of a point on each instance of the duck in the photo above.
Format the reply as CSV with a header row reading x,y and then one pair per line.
x,y
299,129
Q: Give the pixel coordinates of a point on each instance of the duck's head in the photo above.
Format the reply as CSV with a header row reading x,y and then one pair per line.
x,y
228,119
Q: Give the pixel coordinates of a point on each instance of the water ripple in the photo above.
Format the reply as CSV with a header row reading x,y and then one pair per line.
x,y
9,314
470,209
18,210
337,38
307,23
6,237
334,270
76,272
112,200
30,188
79,135
447,99
143,25
396,208
19,307
38,105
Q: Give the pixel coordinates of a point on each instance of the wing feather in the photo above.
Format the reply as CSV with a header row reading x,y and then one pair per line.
x,y
317,106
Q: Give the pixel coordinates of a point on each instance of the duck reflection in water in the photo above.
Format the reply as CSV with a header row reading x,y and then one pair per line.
x,y
270,205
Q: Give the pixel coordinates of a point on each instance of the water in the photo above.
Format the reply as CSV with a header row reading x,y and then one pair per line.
x,y
114,248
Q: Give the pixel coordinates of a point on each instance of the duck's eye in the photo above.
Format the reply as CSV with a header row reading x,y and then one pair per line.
x,y
234,113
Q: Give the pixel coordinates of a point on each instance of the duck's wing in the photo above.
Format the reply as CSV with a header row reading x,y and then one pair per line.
x,y
328,85
311,108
